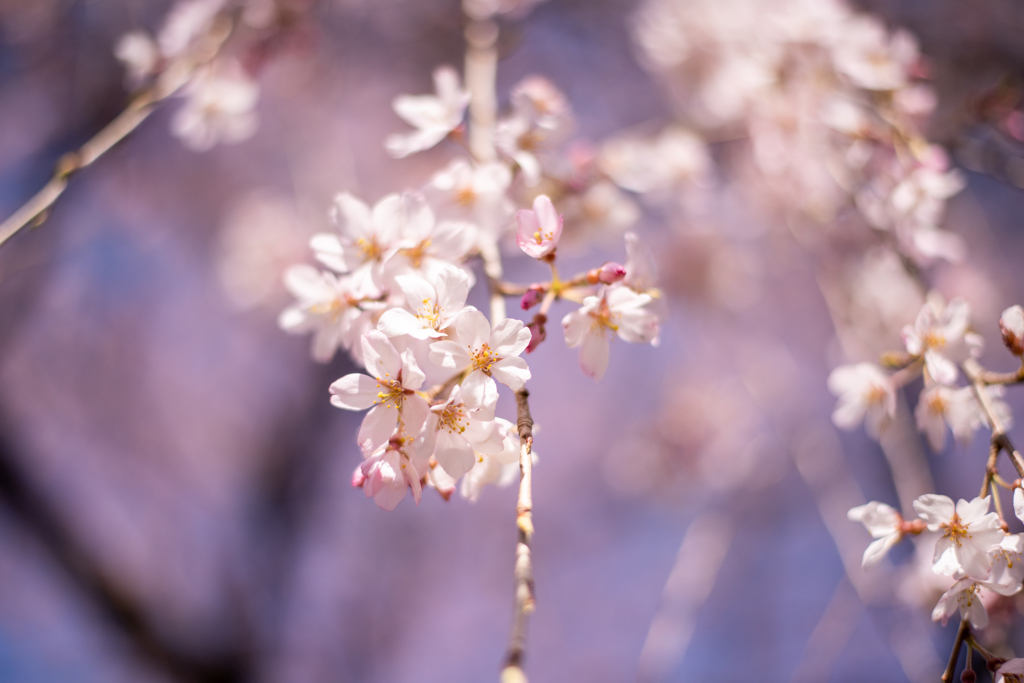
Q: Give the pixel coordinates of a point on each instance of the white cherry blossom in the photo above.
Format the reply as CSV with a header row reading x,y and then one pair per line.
x,y
968,529
865,394
500,468
1007,565
427,246
454,433
435,306
219,108
883,523
365,239
433,116
964,598
485,355
940,334
390,392
327,306
538,230
617,310
139,54
940,405
473,193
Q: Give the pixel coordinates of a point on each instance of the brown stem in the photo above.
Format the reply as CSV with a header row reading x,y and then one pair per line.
x,y
173,78
524,596
947,675
974,373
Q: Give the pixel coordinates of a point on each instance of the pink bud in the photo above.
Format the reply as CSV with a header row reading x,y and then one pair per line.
x,y
1011,324
537,332
538,230
532,297
611,272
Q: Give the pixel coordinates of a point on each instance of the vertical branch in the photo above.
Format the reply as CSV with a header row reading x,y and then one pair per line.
x,y
524,597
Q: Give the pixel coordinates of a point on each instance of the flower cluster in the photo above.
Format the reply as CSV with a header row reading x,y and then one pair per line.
x,y
392,291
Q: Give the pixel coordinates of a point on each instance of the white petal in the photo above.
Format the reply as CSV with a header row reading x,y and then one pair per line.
x,y
509,338
396,322
934,509
378,426
594,354
512,372
379,355
354,392
454,453
479,391
472,330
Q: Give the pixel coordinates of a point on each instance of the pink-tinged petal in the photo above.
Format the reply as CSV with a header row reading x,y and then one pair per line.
x,y
454,453
934,509
453,240
940,368
388,497
526,227
512,372
418,292
449,354
388,218
878,549
947,605
974,561
413,478
488,439
509,338
975,612
638,327
327,250
549,220
351,216
848,412
412,377
354,392
378,426
452,289
912,340
1012,666
295,321
472,330
414,414
306,283
419,218
945,560
479,391
1018,503
576,325
325,343
397,322
594,353
379,355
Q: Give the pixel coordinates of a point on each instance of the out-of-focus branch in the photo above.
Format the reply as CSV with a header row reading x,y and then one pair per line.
x,y
32,510
947,675
524,597
170,81
975,374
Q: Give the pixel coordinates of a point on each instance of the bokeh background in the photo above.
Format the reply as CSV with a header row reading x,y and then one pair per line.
x,y
175,498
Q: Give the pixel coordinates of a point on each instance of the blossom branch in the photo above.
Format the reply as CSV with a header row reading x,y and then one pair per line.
x,y
524,596
974,373
35,211
965,628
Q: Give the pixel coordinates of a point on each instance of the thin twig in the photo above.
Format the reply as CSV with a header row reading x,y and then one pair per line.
x,y
35,211
947,675
524,596
974,373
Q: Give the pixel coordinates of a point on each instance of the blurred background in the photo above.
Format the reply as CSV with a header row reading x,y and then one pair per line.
x,y
175,497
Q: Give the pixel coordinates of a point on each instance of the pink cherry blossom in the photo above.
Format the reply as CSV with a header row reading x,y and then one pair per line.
x,y
433,116
618,310
865,394
436,305
885,526
540,229
969,531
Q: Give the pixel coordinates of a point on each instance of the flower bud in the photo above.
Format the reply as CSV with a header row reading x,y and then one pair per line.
x,y
611,272
537,332
968,676
532,297
1011,324
358,477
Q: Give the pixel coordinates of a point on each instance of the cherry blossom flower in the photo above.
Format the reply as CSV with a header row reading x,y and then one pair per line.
x,y
139,54
969,530
436,305
365,239
433,116
500,468
540,118
941,335
540,229
617,310
963,597
186,21
327,306
871,58
386,475
865,394
656,165
390,393
939,406
883,523
454,433
473,193
485,355
1007,564
427,247
1011,325
219,108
